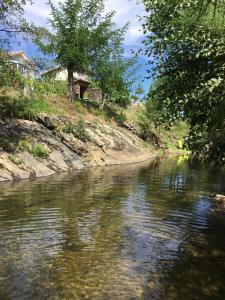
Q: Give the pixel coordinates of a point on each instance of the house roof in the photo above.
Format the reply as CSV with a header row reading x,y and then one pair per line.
x,y
81,79
13,54
51,70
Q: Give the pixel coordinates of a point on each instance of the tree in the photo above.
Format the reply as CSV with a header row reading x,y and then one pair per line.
x,y
80,33
86,40
113,76
12,20
185,42
112,71
9,77
138,94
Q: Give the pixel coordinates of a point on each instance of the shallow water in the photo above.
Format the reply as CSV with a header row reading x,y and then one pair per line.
x,y
142,231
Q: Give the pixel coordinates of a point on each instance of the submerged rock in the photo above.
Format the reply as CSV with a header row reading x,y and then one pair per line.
x,y
218,197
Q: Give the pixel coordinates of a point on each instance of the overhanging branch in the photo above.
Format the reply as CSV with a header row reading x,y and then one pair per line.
x,y
8,30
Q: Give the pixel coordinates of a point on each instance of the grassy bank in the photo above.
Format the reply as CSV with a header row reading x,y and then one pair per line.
x,y
50,98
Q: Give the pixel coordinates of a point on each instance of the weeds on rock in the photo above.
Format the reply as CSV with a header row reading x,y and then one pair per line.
x,y
36,150
16,160
78,130
39,151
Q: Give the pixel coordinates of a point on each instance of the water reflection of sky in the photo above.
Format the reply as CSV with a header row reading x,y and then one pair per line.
x,y
176,182
103,233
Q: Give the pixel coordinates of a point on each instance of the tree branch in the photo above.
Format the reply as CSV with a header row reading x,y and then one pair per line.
x,y
11,30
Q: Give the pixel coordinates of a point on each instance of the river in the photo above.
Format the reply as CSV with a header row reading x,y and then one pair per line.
x,y
141,231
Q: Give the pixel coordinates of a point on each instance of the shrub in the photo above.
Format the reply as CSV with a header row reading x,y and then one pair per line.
x,y
9,77
78,130
120,118
146,130
121,98
39,151
46,86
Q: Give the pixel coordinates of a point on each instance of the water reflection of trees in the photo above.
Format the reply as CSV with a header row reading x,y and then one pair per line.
x,y
84,234
199,269
102,232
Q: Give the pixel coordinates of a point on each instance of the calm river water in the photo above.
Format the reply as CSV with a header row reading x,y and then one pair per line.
x,y
142,231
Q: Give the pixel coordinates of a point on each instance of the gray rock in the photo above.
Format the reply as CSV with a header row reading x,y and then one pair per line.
x,y
36,166
50,122
107,145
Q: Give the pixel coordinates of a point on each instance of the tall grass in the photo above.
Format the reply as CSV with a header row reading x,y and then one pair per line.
x,y
25,108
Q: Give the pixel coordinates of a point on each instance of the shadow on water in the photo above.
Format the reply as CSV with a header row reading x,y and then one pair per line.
x,y
143,231
199,267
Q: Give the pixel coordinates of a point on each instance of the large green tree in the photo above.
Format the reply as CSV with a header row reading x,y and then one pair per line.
x,y
80,33
185,42
85,39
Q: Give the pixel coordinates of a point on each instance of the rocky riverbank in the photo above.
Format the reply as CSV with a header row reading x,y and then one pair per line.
x,y
52,144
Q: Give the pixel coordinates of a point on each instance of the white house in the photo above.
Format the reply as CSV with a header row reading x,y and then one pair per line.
x,y
60,73
20,61
81,81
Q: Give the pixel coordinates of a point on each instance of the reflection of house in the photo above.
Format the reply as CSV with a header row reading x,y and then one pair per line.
x,y
81,81
20,61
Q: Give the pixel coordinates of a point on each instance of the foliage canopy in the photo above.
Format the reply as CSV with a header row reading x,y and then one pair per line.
x,y
185,43
86,40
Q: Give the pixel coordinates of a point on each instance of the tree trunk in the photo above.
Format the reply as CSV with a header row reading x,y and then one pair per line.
x,y
103,102
70,82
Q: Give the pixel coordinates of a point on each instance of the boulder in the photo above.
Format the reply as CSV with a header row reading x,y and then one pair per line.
x,y
49,121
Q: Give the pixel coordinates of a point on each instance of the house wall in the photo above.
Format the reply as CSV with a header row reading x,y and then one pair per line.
x,y
95,95
61,74
22,65
19,59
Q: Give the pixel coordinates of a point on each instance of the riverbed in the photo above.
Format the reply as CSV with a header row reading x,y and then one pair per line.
x,y
140,231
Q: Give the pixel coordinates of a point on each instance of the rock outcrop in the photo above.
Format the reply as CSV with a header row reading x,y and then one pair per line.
x,y
30,149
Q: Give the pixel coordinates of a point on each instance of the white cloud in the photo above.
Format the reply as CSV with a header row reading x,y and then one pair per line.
x,y
127,11
38,12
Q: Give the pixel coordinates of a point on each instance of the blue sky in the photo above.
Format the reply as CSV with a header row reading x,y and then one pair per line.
x,y
127,11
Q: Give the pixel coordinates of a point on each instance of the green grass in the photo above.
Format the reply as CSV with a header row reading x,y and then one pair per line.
x,y
57,87
24,108
16,160
25,144
31,108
